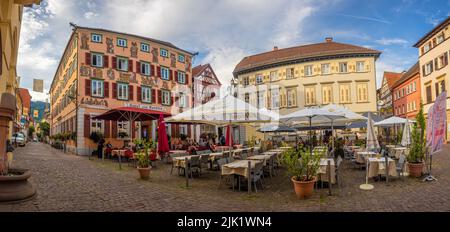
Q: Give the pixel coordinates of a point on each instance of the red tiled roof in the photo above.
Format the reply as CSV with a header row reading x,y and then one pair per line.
x,y
391,78
407,75
26,97
198,69
301,52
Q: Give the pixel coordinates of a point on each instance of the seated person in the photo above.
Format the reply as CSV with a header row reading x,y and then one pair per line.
x,y
211,147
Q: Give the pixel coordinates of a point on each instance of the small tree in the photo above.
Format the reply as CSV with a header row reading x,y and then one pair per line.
x,y
301,165
45,128
417,152
31,130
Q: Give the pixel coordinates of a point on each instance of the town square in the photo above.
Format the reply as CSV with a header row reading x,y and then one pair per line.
x,y
227,106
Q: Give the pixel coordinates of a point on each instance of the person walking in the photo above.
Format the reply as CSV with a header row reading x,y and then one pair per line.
x,y
101,143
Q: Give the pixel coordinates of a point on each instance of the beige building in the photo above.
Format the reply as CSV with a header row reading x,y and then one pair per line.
x,y
433,60
10,25
286,80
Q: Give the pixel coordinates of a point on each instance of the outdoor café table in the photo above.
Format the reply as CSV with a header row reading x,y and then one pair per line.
x,y
118,152
361,155
353,147
323,170
177,151
213,157
377,167
238,167
263,158
284,148
180,161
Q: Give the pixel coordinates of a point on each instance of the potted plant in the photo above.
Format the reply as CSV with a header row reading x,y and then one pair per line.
x,y
302,167
417,152
143,158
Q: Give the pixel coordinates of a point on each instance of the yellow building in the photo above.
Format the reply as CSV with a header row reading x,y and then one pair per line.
x,y
433,59
286,80
10,24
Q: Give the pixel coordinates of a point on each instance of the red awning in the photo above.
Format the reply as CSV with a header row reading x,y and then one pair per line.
x,y
131,114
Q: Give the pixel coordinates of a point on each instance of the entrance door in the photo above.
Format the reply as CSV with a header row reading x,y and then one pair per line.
x,y
145,132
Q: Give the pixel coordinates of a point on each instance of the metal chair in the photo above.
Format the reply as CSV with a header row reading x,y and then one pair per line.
x,y
256,175
220,163
194,163
401,165
204,159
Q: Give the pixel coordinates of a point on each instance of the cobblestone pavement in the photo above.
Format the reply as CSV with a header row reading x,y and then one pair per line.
x,y
67,182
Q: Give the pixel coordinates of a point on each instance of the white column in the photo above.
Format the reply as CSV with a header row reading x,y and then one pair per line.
x,y
197,132
154,129
82,149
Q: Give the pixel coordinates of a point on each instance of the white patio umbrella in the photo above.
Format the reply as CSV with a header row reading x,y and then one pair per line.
x,y
310,115
406,138
392,121
371,139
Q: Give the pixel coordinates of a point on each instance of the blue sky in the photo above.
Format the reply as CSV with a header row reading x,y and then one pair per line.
x,y
224,31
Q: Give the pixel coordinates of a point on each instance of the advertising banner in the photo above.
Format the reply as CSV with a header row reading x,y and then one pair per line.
x,y
439,122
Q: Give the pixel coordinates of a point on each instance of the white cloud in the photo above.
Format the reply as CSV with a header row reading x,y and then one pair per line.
x,y
392,41
90,15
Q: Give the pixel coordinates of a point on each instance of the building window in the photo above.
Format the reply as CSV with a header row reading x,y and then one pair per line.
x,y
362,92
96,88
426,47
247,97
163,52
96,38
164,73
414,86
183,129
96,126
274,76
440,87
440,38
145,68
145,47
181,77
289,73
165,97
259,79
146,94
428,68
291,97
343,67
122,64
122,42
310,95
122,91
181,100
428,93
181,58
246,81
443,60
325,69
360,66
260,99
123,127
275,97
344,91
97,60
308,70
327,94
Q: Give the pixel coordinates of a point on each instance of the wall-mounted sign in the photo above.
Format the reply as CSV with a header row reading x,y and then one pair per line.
x,y
147,107
94,101
38,85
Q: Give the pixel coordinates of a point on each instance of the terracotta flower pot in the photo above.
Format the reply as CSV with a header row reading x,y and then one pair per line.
x,y
303,189
415,169
16,187
144,172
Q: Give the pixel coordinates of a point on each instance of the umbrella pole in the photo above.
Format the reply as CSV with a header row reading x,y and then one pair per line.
x,y
332,135
310,139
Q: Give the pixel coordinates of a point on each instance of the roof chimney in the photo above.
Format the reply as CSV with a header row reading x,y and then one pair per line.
x,y
275,48
329,39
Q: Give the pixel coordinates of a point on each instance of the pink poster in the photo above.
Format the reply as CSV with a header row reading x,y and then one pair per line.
x,y
439,122
430,127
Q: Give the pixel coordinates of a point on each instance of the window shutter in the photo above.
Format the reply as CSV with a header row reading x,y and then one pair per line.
x,y
436,88
423,50
187,79
114,129
138,67
176,76
171,99
423,69
170,75
106,61
130,92
87,58
107,131
431,66
152,70
189,131
114,62
139,93
106,89
87,87
133,129
87,125
159,96
130,65
434,42
158,71
176,101
436,63
114,90
153,96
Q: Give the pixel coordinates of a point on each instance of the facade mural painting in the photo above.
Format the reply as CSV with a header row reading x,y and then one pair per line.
x,y
109,46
